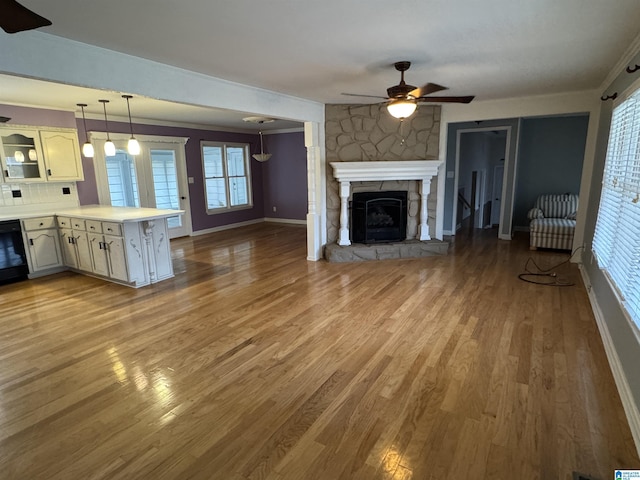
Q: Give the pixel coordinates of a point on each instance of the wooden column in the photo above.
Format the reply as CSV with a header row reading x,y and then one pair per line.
x,y
423,228
345,188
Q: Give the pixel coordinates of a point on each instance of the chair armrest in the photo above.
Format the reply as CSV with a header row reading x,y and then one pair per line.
x,y
535,213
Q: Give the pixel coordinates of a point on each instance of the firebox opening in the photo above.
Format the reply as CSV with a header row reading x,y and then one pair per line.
x,y
379,217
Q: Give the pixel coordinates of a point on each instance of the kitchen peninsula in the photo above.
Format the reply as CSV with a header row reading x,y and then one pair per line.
x,y
124,245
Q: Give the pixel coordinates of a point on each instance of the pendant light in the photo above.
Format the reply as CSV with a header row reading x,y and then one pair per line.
x,y
109,147
133,146
261,157
87,147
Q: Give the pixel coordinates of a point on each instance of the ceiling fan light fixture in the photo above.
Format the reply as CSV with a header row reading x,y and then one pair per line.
x,y
402,108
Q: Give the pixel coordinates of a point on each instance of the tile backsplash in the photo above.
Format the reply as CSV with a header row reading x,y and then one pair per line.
x,y
26,198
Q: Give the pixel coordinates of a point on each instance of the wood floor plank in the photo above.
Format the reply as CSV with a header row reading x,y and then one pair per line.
x,y
253,363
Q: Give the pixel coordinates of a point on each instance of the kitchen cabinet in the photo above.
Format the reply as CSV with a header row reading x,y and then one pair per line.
x,y
43,245
21,155
61,150
74,243
125,245
36,154
108,250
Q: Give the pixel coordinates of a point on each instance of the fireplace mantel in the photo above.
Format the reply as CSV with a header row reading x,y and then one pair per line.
x,y
375,171
347,172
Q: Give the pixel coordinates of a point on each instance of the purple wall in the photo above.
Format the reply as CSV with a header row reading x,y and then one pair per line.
x,y
38,116
88,193
285,176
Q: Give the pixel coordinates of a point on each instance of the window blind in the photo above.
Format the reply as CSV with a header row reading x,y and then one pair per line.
x,y
616,242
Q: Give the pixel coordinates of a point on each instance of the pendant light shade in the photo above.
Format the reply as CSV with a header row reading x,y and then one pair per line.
x,y
87,147
109,146
133,147
261,157
19,156
33,156
402,108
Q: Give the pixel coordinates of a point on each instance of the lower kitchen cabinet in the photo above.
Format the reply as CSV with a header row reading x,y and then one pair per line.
x,y
131,253
108,256
44,255
125,245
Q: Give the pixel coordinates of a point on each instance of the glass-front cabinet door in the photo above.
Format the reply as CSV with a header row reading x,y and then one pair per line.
x,y
21,156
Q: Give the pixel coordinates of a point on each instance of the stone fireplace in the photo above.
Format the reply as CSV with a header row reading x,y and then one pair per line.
x,y
421,171
367,133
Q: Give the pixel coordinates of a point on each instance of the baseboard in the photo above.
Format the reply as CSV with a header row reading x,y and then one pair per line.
x,y
227,227
628,403
289,221
521,229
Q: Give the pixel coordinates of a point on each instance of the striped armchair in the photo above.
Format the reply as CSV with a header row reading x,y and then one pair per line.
x,y
553,222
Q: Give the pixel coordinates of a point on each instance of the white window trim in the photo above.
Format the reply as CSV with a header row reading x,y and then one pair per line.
x,y
247,166
98,140
601,262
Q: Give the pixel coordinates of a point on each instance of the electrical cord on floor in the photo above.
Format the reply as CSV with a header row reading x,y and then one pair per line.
x,y
546,277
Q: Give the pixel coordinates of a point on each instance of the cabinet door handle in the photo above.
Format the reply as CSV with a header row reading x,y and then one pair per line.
x,y
49,171
31,241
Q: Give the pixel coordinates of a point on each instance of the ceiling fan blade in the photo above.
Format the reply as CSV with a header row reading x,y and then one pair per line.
x,y
17,18
446,99
368,96
426,90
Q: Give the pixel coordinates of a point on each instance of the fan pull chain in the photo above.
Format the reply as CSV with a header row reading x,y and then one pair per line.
x,y
402,139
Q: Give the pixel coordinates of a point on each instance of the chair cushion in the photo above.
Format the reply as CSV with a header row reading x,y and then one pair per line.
x,y
558,206
555,226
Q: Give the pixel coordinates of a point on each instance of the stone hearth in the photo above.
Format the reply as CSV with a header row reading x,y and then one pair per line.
x,y
359,252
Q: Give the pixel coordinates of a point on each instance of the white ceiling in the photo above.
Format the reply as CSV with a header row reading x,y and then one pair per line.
x,y
317,50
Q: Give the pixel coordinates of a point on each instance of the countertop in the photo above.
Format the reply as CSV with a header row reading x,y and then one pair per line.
x,y
100,212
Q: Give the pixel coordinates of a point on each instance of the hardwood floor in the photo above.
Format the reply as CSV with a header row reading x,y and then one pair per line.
x,y
253,363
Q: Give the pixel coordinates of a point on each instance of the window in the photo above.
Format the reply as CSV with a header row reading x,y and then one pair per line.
x,y
226,176
616,241
121,176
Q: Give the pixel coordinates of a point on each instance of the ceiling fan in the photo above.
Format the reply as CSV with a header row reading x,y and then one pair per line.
x,y
18,18
404,98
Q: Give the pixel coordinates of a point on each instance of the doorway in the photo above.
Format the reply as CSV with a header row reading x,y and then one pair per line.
x,y
480,154
156,178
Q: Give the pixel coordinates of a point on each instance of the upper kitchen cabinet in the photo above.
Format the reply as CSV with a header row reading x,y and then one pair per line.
x,y
40,154
61,155
21,155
